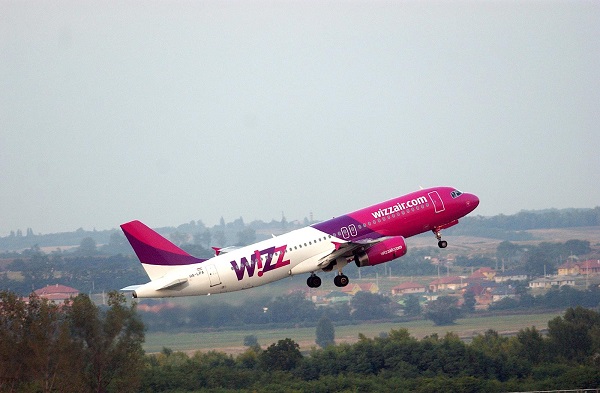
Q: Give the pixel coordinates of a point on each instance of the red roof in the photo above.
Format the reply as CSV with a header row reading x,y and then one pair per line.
x,y
57,289
569,265
408,285
447,280
589,264
362,287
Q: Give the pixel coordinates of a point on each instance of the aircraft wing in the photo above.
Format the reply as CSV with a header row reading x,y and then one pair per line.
x,y
346,250
325,261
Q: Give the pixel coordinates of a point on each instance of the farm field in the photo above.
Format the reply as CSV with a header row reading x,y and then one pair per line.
x,y
232,341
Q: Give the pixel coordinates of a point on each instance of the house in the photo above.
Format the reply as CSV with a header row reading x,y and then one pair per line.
x,y
568,268
589,267
337,297
352,289
511,275
541,282
562,280
451,283
503,292
549,282
407,288
484,273
56,293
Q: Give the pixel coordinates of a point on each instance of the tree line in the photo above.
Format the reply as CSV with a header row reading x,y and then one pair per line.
x,y
78,346
505,227
567,358
82,272
511,227
292,309
72,347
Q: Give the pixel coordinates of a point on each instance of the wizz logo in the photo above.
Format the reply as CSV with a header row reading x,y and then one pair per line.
x,y
257,263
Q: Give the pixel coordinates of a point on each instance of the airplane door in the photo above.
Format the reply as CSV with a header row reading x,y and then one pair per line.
x,y
438,204
213,275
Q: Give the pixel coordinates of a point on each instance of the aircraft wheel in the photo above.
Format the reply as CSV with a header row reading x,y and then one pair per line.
x,y
313,281
341,280
442,244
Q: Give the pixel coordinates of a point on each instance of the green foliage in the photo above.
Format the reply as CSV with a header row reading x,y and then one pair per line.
x,y
368,306
576,336
283,356
75,346
412,306
251,341
469,301
394,362
443,310
325,332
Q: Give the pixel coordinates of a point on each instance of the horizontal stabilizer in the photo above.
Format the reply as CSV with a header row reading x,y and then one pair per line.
x,y
225,250
173,284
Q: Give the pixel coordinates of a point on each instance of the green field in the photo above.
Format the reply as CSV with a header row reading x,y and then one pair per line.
x,y
232,341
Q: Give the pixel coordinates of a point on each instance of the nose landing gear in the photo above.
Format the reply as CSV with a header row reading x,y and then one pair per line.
x,y
438,235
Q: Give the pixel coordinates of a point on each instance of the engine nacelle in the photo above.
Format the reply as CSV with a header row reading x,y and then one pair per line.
x,y
382,252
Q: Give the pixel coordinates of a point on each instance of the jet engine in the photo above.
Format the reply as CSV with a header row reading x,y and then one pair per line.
x,y
381,252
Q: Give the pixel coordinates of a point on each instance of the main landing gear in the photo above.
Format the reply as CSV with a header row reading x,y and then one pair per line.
x,y
438,235
341,280
314,281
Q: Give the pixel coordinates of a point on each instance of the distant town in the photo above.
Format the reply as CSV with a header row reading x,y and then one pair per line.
x,y
494,263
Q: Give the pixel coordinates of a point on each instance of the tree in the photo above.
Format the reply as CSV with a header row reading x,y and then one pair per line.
x,y
325,333
246,236
469,301
284,356
291,308
111,341
443,310
251,341
87,246
532,345
179,238
412,306
574,336
369,305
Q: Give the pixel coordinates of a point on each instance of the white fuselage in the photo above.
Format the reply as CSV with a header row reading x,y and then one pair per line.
x,y
243,268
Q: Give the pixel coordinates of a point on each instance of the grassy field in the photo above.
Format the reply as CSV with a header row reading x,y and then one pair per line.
x,y
232,341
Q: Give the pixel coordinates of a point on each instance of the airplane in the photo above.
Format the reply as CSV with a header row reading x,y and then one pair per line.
x,y
369,236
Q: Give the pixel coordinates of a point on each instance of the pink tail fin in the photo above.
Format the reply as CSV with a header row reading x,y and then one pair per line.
x,y
153,249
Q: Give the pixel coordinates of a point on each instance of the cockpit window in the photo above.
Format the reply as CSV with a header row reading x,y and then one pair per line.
x,y
455,194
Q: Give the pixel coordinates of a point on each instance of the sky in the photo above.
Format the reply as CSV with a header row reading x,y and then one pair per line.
x,y
169,111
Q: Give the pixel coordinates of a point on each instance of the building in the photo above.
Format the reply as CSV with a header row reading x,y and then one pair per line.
x,y
511,275
589,267
407,288
503,292
549,282
56,293
484,273
353,289
451,283
568,268
541,282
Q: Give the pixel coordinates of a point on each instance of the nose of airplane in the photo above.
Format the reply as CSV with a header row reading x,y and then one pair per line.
x,y
472,201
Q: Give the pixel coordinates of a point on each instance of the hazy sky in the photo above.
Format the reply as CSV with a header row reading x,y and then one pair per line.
x,y
175,111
